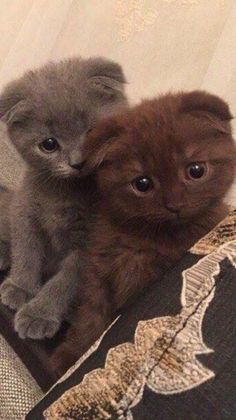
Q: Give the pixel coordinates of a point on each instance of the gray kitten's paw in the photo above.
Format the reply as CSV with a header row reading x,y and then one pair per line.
x,y
29,323
13,296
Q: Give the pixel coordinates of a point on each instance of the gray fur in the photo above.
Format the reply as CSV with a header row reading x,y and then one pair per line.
x,y
5,199
61,100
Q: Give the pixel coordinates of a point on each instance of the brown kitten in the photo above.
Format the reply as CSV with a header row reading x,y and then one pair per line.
x,y
162,170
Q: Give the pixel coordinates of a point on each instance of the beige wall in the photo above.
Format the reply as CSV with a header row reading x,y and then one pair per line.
x,y
162,44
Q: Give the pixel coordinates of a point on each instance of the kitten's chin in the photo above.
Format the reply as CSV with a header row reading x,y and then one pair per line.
x,y
176,220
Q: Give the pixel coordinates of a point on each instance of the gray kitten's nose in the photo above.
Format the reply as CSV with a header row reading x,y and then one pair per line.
x,y
78,165
75,159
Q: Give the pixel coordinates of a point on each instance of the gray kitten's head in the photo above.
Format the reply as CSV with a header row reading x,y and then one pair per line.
x,y
49,110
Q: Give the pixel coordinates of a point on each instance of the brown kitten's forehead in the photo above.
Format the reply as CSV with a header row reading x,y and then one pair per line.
x,y
158,137
161,137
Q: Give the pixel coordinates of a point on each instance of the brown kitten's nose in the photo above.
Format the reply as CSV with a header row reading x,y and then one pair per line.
x,y
78,165
174,208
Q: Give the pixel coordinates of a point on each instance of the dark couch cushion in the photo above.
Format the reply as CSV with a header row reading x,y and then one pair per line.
x,y
170,355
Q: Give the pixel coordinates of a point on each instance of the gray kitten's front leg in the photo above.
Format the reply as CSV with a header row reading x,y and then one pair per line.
x,y
42,316
23,281
4,255
5,203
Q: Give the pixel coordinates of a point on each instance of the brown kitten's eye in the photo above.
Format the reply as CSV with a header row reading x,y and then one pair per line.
x,y
196,170
143,184
49,145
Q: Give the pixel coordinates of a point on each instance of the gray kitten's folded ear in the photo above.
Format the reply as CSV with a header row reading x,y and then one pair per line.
x,y
14,108
106,78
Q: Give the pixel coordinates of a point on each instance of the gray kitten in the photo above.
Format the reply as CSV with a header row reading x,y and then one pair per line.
x,y
48,112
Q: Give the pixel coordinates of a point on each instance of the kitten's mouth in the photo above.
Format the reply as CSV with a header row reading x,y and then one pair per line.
x,y
176,217
181,217
71,171
78,169
172,215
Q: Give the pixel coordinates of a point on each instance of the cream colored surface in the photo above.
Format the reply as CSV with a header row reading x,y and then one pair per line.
x,y
162,44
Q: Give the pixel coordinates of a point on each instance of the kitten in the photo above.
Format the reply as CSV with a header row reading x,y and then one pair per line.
x,y
162,170
47,112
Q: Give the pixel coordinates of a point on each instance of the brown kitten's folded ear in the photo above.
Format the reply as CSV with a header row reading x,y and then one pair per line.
x,y
201,101
99,142
106,78
14,108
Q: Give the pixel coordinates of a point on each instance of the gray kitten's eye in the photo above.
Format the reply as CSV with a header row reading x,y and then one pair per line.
x,y
196,170
49,145
142,184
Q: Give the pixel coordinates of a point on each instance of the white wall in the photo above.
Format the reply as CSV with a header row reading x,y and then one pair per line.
x,y
162,44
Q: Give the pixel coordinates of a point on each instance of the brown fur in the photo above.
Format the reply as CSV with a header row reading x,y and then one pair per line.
x,y
136,237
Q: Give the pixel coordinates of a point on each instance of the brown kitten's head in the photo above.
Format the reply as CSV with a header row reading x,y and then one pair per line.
x,y
166,160
49,110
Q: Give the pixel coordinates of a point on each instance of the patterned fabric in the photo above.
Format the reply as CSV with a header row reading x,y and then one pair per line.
x,y
179,346
223,233
18,391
